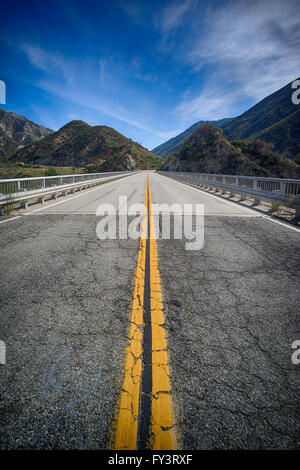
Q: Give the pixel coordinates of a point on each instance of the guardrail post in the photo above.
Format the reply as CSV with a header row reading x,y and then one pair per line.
x,y
18,186
44,182
282,187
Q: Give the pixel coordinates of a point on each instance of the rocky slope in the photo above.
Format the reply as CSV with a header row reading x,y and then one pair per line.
x,y
169,147
78,144
17,132
207,150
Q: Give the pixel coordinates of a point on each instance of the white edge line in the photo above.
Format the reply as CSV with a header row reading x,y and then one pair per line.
x,y
9,220
263,216
281,223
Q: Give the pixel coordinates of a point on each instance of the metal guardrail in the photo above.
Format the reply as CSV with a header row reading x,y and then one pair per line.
x,y
23,190
285,191
15,186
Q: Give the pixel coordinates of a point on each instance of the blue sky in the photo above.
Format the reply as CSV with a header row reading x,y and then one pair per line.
x,y
149,69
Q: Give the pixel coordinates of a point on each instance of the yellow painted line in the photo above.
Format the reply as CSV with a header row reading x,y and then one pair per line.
x,y
127,423
162,422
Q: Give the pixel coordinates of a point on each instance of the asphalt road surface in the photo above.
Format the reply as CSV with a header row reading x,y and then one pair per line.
x,y
231,311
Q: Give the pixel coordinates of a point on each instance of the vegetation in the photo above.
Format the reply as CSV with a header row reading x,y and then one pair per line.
x,y
266,158
171,145
9,205
297,159
207,150
26,170
6,188
97,148
285,135
275,206
50,172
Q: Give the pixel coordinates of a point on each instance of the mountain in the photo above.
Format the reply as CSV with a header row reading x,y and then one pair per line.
x,y
274,119
207,150
17,132
78,144
168,147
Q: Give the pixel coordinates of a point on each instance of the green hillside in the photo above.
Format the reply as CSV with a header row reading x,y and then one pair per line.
x,y
207,150
285,135
78,144
168,147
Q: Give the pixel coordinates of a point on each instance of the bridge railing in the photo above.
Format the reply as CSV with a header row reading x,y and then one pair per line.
x,y
15,186
18,191
284,191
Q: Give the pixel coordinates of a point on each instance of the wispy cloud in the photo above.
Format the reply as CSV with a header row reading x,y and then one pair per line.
x,y
211,104
252,49
165,17
173,14
50,63
70,81
37,57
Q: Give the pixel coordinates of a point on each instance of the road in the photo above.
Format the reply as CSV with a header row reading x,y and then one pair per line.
x,y
231,312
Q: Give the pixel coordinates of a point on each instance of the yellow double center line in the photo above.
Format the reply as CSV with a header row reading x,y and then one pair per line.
x,y
132,414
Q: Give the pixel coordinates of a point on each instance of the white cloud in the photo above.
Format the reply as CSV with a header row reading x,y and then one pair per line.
x,y
253,49
37,57
50,63
213,103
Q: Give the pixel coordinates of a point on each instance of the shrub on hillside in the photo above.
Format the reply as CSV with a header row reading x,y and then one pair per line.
x,y
50,172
